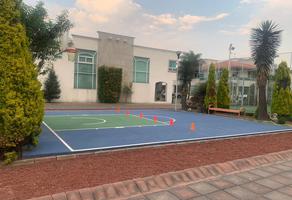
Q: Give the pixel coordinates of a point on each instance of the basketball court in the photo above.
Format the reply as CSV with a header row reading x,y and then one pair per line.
x,y
66,132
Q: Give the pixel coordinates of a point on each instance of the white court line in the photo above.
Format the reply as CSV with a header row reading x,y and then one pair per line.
x,y
182,140
150,119
67,145
128,126
81,115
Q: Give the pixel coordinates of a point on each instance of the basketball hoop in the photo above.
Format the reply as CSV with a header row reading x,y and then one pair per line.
x,y
71,52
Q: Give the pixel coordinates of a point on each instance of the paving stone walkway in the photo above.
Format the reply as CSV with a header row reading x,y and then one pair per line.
x,y
266,177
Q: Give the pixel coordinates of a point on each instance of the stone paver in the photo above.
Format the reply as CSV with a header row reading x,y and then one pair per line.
x,y
269,183
224,181
165,195
220,195
275,195
242,193
203,188
184,193
257,188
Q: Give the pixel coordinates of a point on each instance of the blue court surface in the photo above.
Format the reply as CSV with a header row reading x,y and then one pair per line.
x,y
80,131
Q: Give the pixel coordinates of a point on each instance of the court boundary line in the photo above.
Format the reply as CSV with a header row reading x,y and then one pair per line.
x,y
183,140
134,126
59,137
151,119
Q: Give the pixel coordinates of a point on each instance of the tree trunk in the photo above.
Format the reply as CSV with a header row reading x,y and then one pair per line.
x,y
184,97
262,105
19,150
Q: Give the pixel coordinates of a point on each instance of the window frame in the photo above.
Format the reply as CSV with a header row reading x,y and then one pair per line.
x,y
170,69
147,72
87,54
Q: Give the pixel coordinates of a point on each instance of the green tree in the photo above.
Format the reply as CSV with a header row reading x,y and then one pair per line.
x,y
199,96
21,99
211,98
187,70
223,98
43,34
282,95
52,86
127,91
265,41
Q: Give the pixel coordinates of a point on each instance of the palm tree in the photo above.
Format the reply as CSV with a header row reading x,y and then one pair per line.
x,y
264,42
187,70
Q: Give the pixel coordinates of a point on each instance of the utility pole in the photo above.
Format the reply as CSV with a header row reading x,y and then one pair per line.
x,y
178,53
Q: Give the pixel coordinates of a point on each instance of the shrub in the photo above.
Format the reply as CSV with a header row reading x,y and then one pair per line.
x,y
199,96
109,84
223,99
9,157
21,98
127,91
211,98
52,87
282,95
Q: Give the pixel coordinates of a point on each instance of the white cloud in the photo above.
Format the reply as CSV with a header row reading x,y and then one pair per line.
x,y
164,19
187,21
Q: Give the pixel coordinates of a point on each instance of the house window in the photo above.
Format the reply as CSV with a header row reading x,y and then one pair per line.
x,y
141,70
172,66
85,70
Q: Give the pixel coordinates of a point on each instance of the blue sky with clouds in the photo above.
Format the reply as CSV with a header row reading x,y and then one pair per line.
x,y
204,26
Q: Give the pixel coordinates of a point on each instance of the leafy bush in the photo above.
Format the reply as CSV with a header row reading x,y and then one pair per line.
x,y
9,157
282,94
223,99
21,98
109,84
127,91
211,98
52,87
199,96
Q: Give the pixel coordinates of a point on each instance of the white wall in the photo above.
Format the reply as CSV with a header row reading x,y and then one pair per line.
x,y
65,72
159,61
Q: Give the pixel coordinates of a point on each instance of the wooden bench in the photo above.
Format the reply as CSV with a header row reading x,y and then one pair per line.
x,y
238,112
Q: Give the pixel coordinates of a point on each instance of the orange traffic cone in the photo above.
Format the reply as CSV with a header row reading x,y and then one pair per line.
x,y
193,127
118,109
171,122
155,119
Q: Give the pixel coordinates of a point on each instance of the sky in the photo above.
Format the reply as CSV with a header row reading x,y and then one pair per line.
x,y
203,26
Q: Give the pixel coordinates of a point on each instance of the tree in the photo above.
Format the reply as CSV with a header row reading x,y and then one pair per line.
x,y
264,42
223,99
282,95
187,70
21,99
43,34
52,87
199,96
127,91
211,98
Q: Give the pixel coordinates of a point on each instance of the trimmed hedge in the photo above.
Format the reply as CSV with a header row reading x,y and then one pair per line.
x,y
109,84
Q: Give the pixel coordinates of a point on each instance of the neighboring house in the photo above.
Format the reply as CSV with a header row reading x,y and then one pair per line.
x,y
151,71
242,73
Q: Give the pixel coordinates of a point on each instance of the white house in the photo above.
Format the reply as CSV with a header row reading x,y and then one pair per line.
x,y
150,71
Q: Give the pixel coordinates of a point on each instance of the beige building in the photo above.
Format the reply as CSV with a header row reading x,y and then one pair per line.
x,y
150,71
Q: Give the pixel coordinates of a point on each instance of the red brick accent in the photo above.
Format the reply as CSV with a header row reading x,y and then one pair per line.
x,y
151,184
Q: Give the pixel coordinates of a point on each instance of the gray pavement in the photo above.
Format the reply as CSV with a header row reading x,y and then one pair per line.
x,y
273,182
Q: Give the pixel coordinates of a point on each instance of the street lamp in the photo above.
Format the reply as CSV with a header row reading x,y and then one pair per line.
x,y
231,48
178,53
